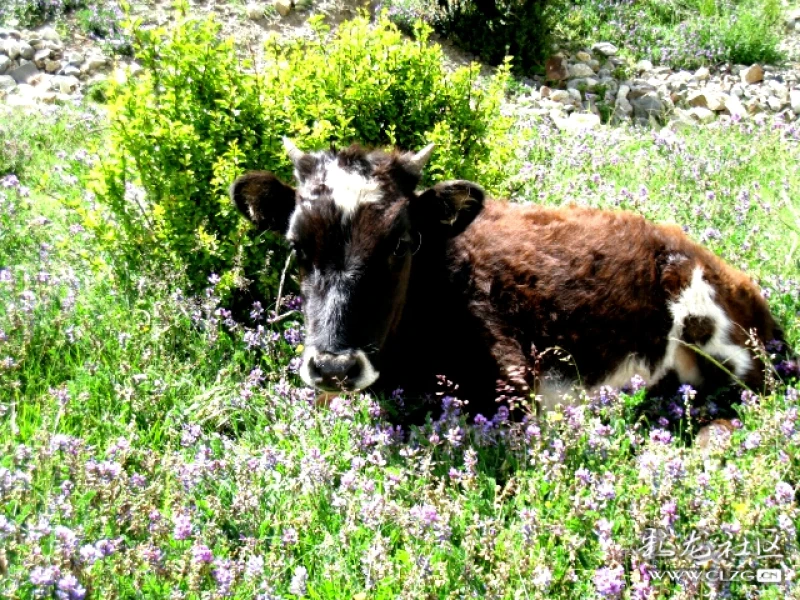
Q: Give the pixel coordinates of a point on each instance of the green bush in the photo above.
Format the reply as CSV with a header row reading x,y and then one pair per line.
x,y
32,13
494,29
683,34
197,116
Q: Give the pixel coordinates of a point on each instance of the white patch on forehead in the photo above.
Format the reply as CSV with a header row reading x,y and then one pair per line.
x,y
348,189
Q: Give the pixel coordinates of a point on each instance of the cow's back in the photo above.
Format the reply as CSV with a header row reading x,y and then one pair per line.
x,y
617,294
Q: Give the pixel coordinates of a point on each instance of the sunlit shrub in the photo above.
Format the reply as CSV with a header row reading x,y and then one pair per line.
x,y
198,116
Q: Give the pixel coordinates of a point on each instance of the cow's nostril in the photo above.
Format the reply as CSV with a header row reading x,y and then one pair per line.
x,y
335,371
355,369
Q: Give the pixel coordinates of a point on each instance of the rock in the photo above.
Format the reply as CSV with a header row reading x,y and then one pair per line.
x,y
594,64
679,81
254,12
643,65
707,99
580,70
26,51
66,84
737,90
701,114
577,122
588,84
41,56
702,74
622,109
794,100
559,96
92,63
10,33
51,66
555,69
778,89
575,96
735,107
72,71
5,64
649,105
41,81
24,72
10,48
752,74
50,34
7,82
284,7
74,58
544,92
623,92
605,48
774,103
583,56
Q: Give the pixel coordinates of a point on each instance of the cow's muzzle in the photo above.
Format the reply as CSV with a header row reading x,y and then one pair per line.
x,y
347,371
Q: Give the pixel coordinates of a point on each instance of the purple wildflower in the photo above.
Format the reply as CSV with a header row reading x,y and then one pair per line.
x,y
609,582
183,527
43,576
223,576
584,475
752,441
661,436
69,587
290,537
784,493
202,554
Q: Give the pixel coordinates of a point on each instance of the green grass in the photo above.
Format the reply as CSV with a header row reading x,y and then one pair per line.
x,y
682,33
126,405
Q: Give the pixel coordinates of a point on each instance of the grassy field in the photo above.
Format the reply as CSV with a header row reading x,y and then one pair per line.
x,y
154,448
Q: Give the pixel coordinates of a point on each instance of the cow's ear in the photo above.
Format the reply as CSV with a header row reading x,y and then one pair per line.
x,y
264,199
450,206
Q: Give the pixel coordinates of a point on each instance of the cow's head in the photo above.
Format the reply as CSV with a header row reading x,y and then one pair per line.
x,y
356,225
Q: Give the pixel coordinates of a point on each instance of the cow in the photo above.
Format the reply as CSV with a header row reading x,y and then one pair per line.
x,y
403,287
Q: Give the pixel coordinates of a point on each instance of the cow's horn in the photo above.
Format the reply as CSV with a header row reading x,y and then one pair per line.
x,y
295,154
421,158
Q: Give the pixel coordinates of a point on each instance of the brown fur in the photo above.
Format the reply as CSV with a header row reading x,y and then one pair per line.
x,y
494,288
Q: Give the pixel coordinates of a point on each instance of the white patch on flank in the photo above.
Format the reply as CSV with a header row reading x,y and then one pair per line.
x,y
622,375
553,389
349,189
696,300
